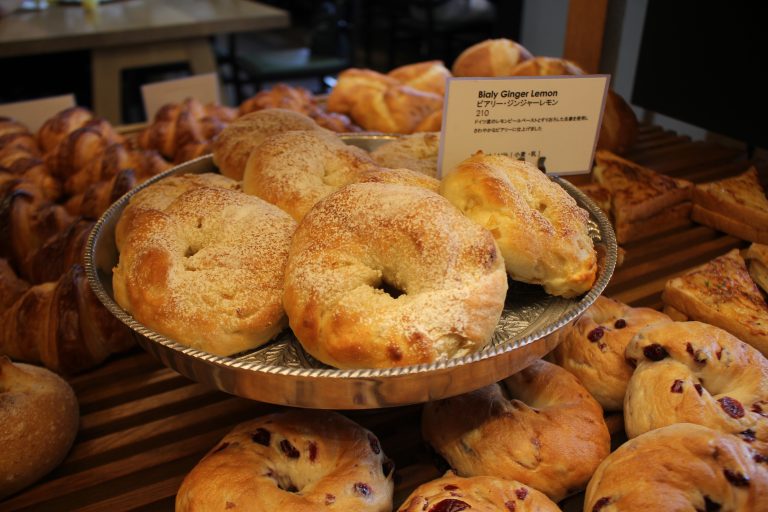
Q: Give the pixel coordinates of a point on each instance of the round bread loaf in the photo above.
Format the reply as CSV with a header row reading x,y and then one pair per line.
x,y
541,231
298,461
383,275
681,467
294,170
39,420
592,347
547,431
691,372
492,57
417,152
160,194
478,493
234,144
208,270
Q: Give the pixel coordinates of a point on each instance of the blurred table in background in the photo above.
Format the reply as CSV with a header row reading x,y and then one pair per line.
x,y
133,34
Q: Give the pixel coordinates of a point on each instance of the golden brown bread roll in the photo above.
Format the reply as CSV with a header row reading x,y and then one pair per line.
x,y
429,76
207,271
681,467
40,420
492,57
542,233
691,372
592,347
235,143
298,460
478,493
539,426
368,238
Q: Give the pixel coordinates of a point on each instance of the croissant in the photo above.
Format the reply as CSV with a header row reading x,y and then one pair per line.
x,y
56,129
57,254
62,325
11,286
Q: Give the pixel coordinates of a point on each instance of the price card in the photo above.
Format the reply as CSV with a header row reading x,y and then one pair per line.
x,y
549,121
204,88
34,113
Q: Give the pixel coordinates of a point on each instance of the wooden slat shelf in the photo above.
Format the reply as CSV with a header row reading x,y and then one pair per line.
x,y
143,426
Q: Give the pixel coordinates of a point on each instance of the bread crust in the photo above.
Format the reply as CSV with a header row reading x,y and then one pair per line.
x,y
550,434
721,292
541,231
680,467
417,152
299,460
727,224
756,257
637,192
40,419
366,236
676,216
492,57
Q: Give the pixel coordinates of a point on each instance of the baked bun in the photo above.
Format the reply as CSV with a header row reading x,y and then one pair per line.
x,y
429,76
546,66
417,152
539,426
541,231
756,257
691,372
294,170
234,144
298,460
162,193
40,418
398,267
492,57
479,493
681,467
208,270
592,347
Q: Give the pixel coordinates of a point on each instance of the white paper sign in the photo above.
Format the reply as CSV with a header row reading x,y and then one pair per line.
x,y
204,88
549,121
34,113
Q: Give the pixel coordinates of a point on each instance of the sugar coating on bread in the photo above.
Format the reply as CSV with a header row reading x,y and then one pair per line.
x,y
208,270
40,418
681,467
448,278
541,231
539,426
297,460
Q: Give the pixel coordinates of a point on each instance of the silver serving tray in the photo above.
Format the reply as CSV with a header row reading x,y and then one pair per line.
x,y
282,373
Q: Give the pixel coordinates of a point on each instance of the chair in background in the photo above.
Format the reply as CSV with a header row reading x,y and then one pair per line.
x,y
318,51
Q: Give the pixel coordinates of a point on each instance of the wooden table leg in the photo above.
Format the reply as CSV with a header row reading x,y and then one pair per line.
x,y
108,63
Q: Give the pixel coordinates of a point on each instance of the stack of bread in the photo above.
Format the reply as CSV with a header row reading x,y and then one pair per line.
x,y
53,185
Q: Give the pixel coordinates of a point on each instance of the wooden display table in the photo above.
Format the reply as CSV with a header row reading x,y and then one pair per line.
x,y
143,426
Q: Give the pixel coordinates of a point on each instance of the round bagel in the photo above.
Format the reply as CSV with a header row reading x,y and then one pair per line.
x,y
232,147
208,270
592,347
541,231
294,170
417,152
40,418
681,467
299,460
447,279
549,434
160,194
492,57
478,493
691,372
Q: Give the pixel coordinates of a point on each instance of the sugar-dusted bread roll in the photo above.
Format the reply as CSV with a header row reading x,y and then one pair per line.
x,y
541,231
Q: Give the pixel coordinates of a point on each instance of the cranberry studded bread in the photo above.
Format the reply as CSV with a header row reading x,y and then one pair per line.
x,y
757,259
736,206
643,201
721,292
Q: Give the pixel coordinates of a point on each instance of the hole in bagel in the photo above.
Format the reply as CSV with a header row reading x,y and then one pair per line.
x,y
390,289
191,251
283,482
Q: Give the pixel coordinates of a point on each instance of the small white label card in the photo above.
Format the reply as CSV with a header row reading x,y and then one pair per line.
x,y
549,121
33,113
204,88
